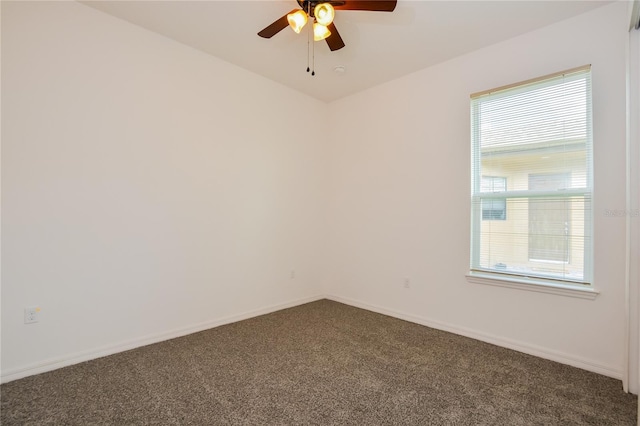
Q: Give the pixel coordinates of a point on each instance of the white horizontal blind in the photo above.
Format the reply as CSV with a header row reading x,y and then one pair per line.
x,y
532,179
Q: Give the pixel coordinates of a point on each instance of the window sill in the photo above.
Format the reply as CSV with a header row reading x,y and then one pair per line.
x,y
531,284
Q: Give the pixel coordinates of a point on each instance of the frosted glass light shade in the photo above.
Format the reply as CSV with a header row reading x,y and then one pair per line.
x,y
324,13
297,20
320,32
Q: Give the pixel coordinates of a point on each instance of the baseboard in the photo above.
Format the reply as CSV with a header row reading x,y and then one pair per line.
x,y
88,355
527,348
83,356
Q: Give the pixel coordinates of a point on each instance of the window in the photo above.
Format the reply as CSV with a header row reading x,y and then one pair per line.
x,y
537,136
494,209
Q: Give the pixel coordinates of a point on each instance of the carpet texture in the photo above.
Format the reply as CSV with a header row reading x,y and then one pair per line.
x,y
323,363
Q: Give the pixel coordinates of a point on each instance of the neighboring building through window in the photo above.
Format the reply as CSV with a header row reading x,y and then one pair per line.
x,y
537,137
549,219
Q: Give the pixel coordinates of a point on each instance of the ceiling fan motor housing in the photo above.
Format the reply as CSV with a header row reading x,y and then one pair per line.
x,y
309,5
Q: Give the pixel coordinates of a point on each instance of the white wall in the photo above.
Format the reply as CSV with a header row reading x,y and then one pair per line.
x,y
400,185
148,189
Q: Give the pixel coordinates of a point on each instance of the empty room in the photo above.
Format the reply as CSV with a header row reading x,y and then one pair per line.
x,y
320,212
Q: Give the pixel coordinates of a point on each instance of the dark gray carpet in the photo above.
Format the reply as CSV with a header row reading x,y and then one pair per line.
x,y
321,363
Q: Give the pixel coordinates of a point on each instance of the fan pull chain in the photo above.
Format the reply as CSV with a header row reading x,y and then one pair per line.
x,y
308,35
313,59
308,41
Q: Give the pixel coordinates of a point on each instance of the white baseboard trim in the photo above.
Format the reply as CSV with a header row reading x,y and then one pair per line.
x,y
78,357
88,355
526,348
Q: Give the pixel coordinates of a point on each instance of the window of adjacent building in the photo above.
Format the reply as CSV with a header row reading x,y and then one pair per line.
x,y
494,209
537,137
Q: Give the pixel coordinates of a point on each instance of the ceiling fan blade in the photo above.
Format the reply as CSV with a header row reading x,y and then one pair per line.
x,y
373,5
334,40
276,27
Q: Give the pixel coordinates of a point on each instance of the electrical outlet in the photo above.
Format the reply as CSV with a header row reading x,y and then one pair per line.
x,y
31,314
407,283
293,274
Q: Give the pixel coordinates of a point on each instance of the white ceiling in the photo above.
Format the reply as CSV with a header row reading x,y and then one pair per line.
x,y
380,46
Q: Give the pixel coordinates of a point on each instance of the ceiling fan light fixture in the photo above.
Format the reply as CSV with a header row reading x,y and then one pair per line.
x,y
297,20
324,13
320,32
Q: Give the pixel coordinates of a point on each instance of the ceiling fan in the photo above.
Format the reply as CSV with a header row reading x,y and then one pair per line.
x,y
322,12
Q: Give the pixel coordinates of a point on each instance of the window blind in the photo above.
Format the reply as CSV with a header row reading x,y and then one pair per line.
x,y
535,137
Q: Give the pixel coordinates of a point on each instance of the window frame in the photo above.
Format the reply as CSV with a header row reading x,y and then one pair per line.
x,y
584,289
